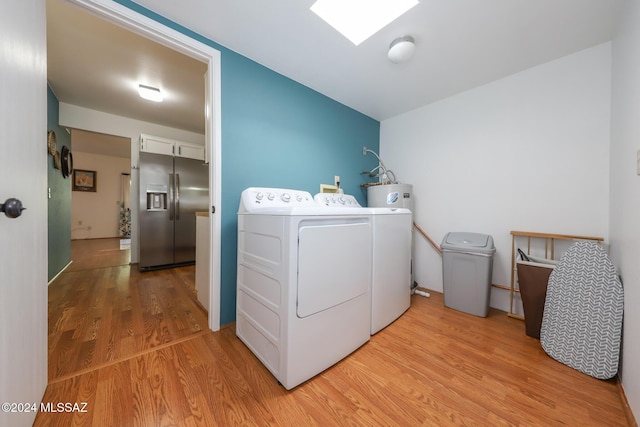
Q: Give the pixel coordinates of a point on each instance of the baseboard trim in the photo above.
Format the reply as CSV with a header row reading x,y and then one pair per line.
x,y
60,272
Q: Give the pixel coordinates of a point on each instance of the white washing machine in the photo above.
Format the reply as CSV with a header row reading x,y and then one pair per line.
x,y
304,280
391,257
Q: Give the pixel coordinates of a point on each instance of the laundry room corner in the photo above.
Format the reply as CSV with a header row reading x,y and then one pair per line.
x,y
279,133
276,132
532,155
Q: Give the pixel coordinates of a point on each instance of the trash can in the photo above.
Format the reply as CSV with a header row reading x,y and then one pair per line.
x,y
533,277
467,266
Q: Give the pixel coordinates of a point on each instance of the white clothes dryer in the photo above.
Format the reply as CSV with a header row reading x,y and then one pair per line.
x,y
304,280
391,257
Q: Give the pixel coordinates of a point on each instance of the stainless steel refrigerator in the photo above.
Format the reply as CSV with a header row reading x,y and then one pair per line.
x,y
172,190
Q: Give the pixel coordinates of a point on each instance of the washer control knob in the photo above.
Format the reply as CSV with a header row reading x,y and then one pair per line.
x,y
259,196
285,197
341,200
299,198
271,196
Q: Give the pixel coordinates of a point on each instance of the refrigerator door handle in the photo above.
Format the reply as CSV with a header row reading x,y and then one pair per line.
x,y
177,196
171,185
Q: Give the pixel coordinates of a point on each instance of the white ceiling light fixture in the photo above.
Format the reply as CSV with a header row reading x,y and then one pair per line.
x,y
150,93
358,20
401,49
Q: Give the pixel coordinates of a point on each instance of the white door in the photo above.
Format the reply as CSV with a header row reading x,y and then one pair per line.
x,y
23,240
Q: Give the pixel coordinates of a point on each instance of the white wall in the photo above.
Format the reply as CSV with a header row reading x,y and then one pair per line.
x,y
96,215
96,121
625,190
529,152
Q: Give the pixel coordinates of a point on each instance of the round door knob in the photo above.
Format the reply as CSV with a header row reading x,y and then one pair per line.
x,y
12,208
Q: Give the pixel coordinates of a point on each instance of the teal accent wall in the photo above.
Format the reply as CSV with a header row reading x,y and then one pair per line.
x,y
59,206
277,133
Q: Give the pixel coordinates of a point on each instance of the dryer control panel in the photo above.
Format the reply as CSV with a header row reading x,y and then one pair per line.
x,y
258,198
336,200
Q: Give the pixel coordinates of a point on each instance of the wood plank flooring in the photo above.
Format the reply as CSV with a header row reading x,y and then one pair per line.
x,y
434,366
106,313
97,253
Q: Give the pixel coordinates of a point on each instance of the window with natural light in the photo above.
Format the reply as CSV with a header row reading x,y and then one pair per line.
x,y
358,20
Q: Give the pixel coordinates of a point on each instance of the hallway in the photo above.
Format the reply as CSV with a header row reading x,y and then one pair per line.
x,y
102,310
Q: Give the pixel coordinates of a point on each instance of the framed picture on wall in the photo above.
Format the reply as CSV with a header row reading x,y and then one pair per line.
x,y
84,180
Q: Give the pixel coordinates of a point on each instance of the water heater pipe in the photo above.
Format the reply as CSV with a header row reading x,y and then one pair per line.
x,y
388,177
429,239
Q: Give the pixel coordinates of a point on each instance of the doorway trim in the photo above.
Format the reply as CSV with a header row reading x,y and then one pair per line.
x,y
159,33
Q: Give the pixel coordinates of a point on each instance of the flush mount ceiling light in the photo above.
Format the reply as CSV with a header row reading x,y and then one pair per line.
x,y
357,20
150,93
401,49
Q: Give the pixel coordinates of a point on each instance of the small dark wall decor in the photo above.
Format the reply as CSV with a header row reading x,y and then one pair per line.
x,y
84,180
66,160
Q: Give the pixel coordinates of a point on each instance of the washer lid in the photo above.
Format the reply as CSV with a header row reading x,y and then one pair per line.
x,y
468,241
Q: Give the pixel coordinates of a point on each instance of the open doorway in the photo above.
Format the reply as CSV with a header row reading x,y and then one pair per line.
x,y
100,200
158,33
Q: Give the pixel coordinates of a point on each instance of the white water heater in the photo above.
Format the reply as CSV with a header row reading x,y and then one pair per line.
x,y
390,196
393,196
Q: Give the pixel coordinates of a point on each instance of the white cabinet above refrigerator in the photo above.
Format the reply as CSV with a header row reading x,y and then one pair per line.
x,y
170,147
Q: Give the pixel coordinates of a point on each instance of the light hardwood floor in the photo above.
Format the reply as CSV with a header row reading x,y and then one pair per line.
x,y
434,366
96,253
101,309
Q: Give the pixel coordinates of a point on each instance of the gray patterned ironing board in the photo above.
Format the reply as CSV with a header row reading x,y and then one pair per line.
x,y
582,320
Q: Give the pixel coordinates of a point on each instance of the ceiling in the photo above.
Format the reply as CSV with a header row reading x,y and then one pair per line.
x,y
97,65
99,143
460,44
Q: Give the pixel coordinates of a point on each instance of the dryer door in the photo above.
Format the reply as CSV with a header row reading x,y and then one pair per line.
x,y
334,264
